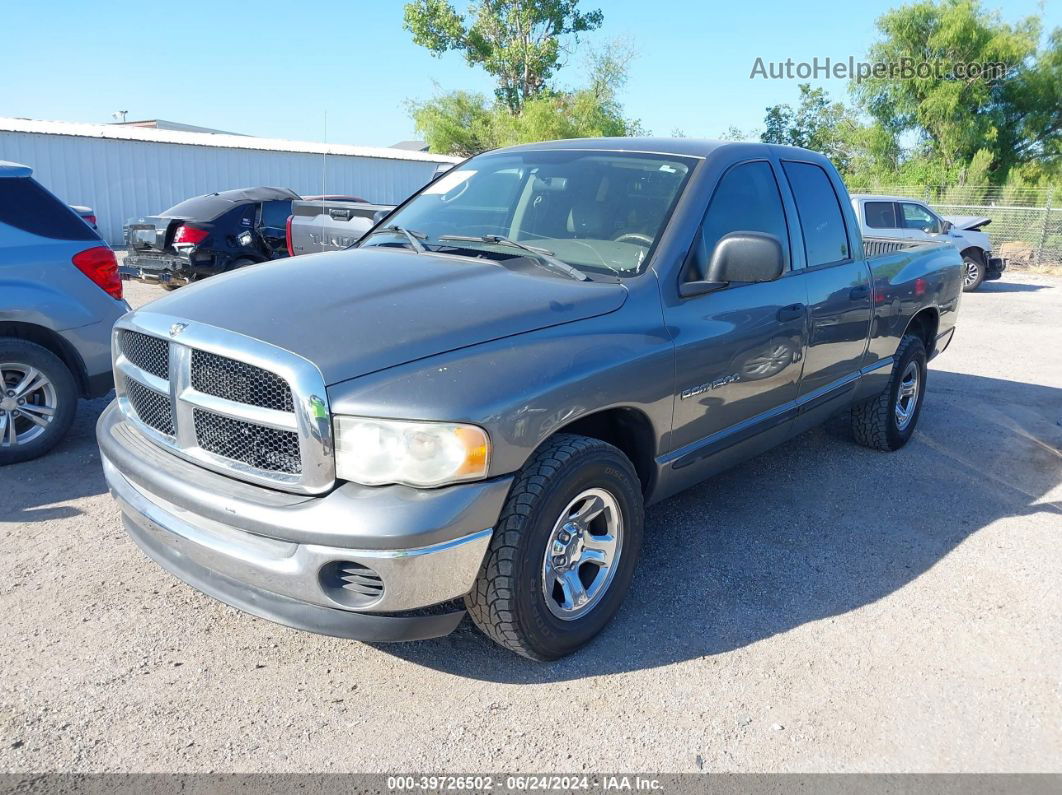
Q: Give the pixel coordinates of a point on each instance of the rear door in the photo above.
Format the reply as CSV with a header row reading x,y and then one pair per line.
x,y
838,284
739,349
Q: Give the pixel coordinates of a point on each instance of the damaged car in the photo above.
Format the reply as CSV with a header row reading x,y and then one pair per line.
x,y
207,235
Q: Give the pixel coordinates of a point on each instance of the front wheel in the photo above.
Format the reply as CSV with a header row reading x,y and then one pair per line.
x,y
564,549
887,421
973,273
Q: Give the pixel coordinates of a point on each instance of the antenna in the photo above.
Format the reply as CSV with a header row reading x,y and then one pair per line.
x,y
324,156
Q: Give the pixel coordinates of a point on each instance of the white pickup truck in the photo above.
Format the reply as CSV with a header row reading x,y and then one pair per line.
x,y
909,219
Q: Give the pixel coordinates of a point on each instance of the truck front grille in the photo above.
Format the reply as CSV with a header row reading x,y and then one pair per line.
x,y
146,352
267,449
244,383
264,419
152,408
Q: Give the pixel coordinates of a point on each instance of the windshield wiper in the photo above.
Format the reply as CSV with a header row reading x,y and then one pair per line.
x,y
542,254
414,238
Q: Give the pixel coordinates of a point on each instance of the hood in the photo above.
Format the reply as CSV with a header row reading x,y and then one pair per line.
x,y
356,311
971,223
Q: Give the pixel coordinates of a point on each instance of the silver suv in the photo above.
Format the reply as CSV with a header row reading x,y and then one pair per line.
x,y
60,296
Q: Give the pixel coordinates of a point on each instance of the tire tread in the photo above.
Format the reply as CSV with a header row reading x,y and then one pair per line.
x,y
870,418
490,601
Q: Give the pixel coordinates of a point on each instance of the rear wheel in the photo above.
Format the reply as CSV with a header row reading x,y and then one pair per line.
x,y
38,398
564,550
973,272
887,421
240,262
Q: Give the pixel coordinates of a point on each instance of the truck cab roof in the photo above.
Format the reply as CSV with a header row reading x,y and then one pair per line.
x,y
688,147
9,169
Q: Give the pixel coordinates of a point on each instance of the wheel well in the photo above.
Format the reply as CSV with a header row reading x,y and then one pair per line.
x,y
975,252
924,324
48,339
626,428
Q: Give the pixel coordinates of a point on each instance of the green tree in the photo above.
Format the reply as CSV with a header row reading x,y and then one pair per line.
x,y
519,43
457,123
460,123
1016,113
816,123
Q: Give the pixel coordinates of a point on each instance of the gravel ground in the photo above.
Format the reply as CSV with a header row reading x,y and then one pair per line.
x,y
820,608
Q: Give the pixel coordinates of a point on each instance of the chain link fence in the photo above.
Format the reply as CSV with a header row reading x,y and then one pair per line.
x,y
1026,222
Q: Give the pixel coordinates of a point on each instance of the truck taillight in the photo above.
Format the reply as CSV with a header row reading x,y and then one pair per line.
x,y
189,234
90,219
287,236
100,265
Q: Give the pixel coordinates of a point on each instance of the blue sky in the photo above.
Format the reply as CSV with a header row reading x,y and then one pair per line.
x,y
279,69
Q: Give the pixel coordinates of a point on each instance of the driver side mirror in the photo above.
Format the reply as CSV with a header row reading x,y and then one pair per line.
x,y
745,257
946,226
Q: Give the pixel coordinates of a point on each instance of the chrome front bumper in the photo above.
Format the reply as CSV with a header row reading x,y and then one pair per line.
x,y
282,574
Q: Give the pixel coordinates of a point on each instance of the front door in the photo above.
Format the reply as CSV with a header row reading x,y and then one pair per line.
x,y
739,349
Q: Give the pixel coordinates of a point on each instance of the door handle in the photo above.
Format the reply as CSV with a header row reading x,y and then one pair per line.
x,y
859,292
791,312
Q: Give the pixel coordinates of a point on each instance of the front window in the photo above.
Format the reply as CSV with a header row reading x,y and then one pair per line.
x,y
915,216
601,212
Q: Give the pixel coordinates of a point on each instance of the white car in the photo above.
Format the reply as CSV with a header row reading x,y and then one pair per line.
x,y
910,219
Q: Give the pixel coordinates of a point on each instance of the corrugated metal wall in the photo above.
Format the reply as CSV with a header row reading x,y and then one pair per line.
x,y
128,179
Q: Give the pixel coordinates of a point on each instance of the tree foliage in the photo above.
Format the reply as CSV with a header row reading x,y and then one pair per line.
x,y
1016,115
815,123
462,123
520,44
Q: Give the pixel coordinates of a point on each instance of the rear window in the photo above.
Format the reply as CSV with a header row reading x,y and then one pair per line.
x,y
880,215
825,237
25,204
200,208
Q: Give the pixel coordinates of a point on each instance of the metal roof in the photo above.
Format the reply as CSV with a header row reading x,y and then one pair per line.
x,y
217,140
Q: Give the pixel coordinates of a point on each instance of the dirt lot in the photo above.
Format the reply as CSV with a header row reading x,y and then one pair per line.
x,y
823,607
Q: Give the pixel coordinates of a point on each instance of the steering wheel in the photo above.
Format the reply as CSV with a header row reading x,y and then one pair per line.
x,y
634,237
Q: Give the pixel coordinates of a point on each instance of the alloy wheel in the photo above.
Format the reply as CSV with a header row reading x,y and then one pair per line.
x,y
28,402
907,396
581,554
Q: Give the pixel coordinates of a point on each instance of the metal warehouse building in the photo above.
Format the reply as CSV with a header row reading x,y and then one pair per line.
x,y
128,172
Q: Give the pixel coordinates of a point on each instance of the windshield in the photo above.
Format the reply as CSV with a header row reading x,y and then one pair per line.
x,y
597,211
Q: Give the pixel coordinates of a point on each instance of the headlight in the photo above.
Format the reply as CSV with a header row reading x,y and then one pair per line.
x,y
374,452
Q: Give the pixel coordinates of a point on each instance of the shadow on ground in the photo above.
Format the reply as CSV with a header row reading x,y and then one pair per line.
x,y
1011,287
32,490
813,529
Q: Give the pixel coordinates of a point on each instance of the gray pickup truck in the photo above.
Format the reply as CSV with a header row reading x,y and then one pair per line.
x,y
328,225
470,409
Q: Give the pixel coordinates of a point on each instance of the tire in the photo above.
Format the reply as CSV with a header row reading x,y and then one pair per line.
x,y
879,423
170,287
508,601
973,272
240,262
19,358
